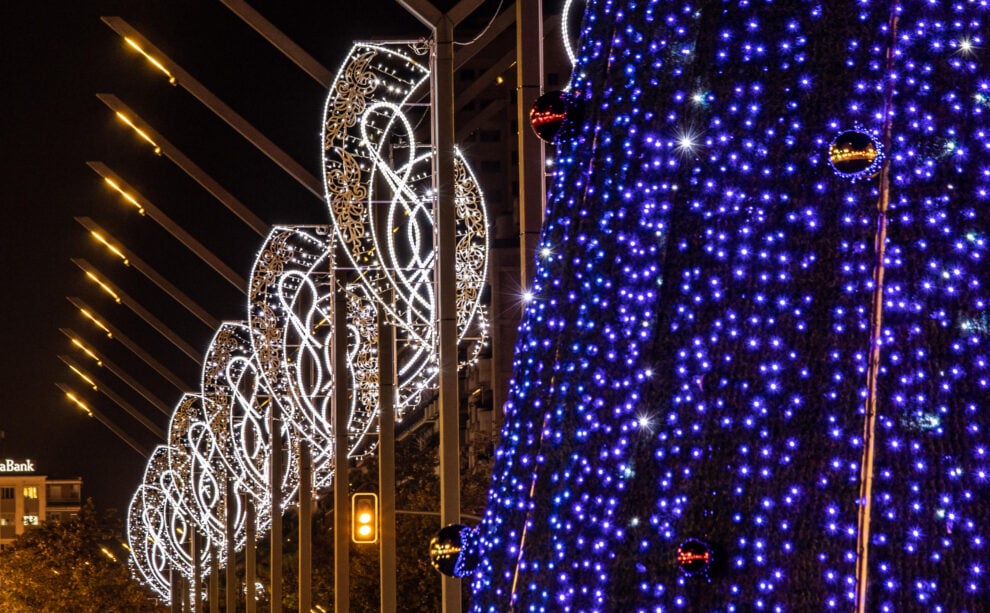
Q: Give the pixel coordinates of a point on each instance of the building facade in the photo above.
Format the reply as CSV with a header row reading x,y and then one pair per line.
x,y
28,498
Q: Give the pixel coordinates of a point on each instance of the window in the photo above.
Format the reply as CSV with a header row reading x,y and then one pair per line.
x,y
7,528
30,491
30,520
7,493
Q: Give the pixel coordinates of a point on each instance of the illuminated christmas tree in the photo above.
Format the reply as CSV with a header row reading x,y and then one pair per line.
x,y
768,224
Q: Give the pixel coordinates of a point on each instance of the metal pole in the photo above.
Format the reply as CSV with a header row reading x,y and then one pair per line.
x,y
214,579
341,492
386,458
231,584
184,586
446,282
305,527
122,297
275,485
196,569
529,86
220,109
281,42
131,382
445,240
250,556
163,220
175,589
95,414
109,393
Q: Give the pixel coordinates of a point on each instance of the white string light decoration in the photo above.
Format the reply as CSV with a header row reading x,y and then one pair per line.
x,y
378,181
379,187
197,470
290,313
159,525
230,395
240,403
148,560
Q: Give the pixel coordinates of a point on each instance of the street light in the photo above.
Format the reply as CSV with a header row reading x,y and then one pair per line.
x,y
130,41
364,518
78,403
110,246
140,132
103,285
78,343
127,196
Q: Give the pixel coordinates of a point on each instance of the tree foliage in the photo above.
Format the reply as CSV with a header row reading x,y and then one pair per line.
x,y
67,567
417,491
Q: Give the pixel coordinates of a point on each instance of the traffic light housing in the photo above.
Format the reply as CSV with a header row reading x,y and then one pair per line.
x,y
364,517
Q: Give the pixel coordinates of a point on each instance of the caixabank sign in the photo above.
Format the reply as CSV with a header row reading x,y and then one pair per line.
x,y
13,466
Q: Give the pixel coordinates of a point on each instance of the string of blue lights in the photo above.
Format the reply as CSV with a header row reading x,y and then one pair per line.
x,y
685,425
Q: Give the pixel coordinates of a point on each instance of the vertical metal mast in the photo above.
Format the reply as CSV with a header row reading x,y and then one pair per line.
x,y
341,508
386,459
444,223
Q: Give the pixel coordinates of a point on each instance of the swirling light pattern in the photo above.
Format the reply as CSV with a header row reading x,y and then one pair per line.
x,y
378,180
279,359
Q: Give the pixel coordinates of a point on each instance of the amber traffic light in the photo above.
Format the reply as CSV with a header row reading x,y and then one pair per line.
x,y
364,517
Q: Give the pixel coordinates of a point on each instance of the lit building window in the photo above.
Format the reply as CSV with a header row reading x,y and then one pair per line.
x,y
31,491
30,520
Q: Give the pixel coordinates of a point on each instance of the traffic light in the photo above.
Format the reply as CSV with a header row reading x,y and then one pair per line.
x,y
364,517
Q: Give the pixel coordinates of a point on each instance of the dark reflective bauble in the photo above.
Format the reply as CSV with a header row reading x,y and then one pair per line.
x,y
548,114
451,552
855,154
694,557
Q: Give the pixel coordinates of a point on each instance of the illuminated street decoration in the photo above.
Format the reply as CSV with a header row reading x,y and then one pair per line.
x,y
720,315
197,467
159,525
362,365
149,560
231,407
185,467
378,180
289,314
280,357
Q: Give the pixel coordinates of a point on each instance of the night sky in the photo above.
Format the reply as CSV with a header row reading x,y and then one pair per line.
x,y
56,56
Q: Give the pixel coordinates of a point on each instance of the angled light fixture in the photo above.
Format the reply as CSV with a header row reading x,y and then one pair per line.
x,y
78,343
78,403
84,377
134,45
99,324
113,249
124,193
139,131
106,288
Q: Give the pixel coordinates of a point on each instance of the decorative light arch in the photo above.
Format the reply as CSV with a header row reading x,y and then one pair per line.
x,y
378,182
281,356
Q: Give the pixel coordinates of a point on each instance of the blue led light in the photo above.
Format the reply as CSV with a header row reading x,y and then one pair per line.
x,y
695,355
